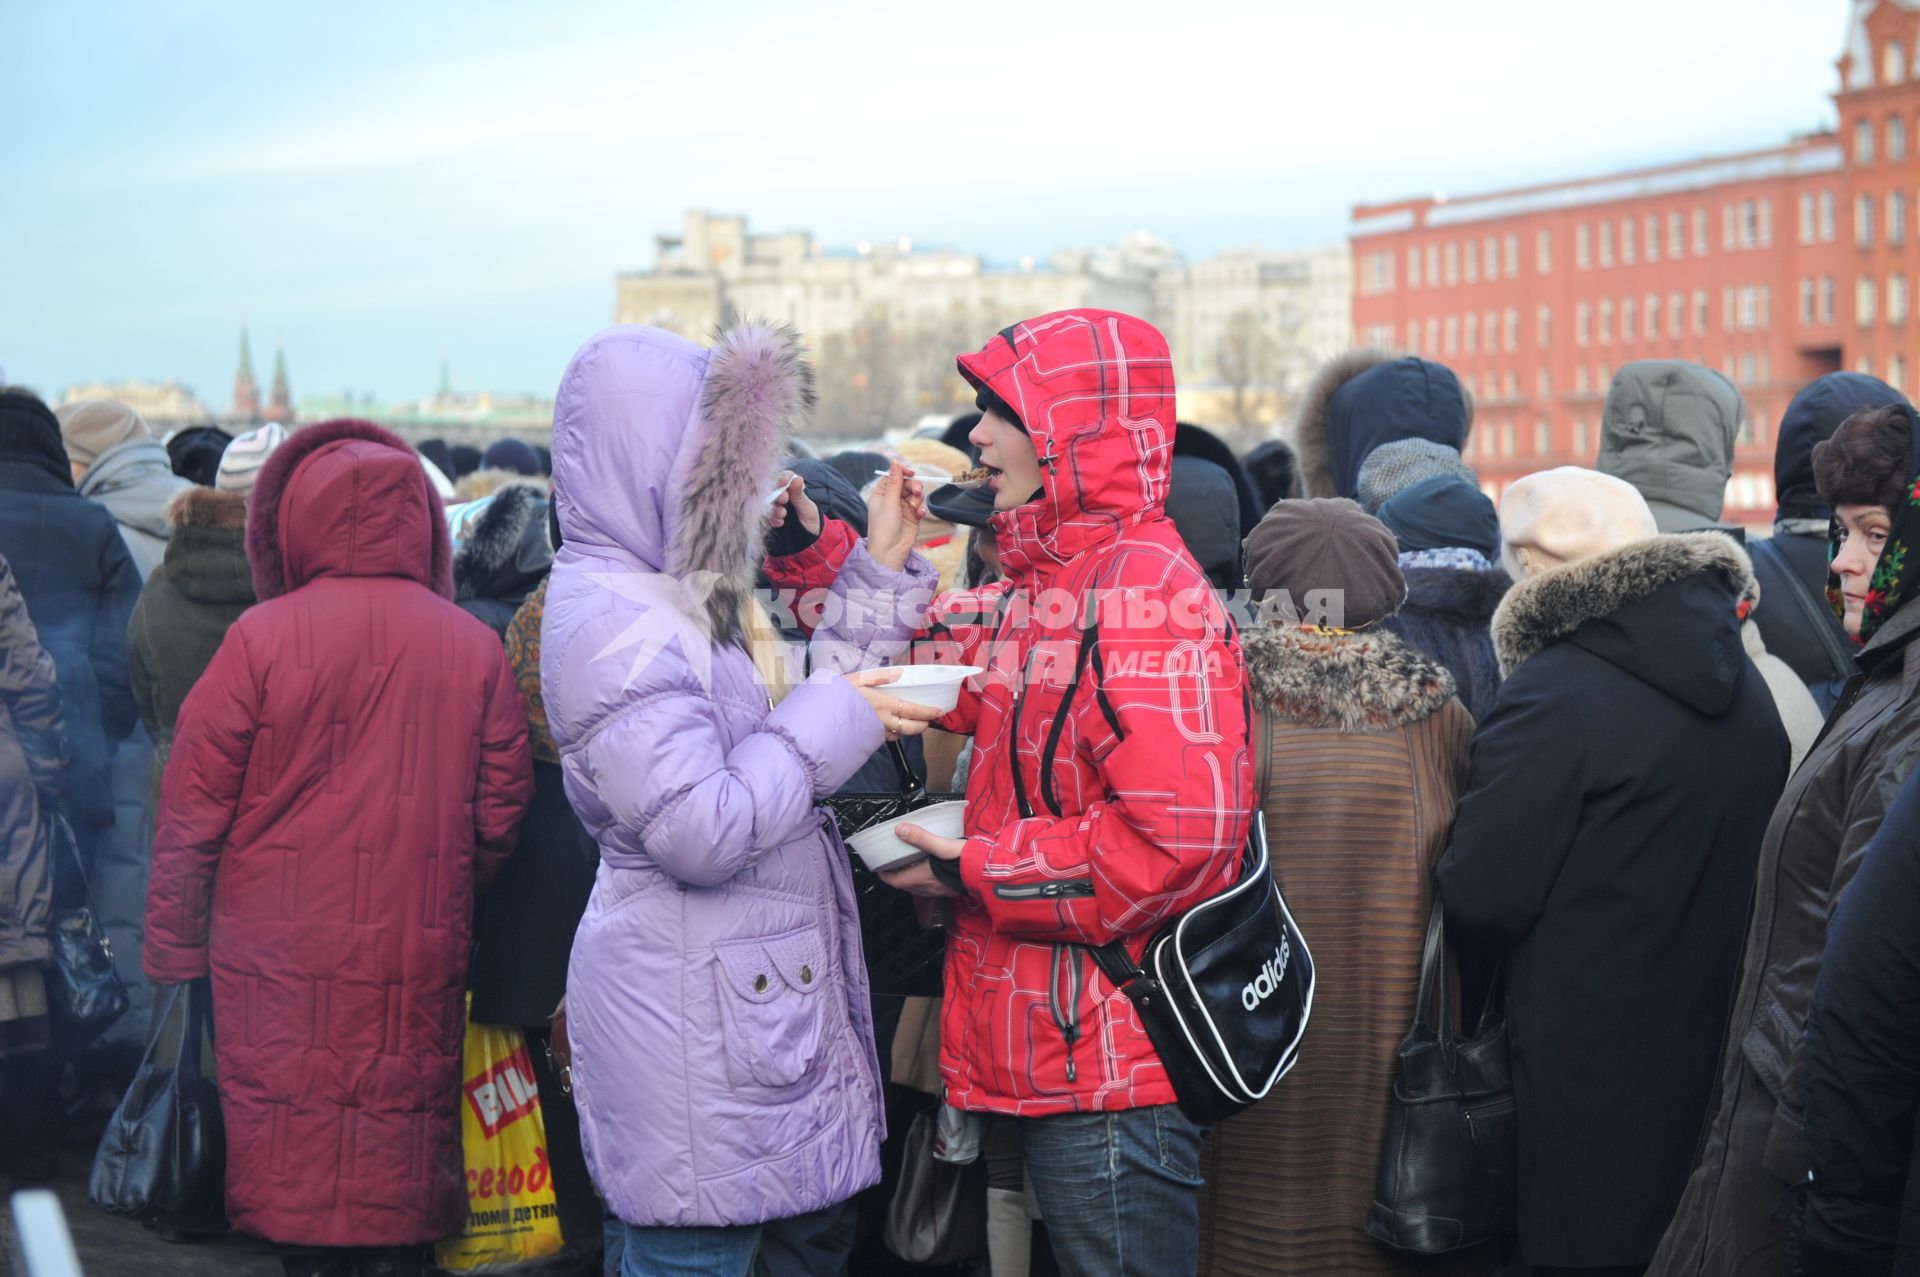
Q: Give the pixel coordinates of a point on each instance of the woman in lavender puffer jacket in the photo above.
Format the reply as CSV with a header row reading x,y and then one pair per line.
x,y
723,1058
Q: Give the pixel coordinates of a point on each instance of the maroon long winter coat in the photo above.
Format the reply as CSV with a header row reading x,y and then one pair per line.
x,y
346,775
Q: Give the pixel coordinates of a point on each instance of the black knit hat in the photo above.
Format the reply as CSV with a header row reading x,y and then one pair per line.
x,y
30,432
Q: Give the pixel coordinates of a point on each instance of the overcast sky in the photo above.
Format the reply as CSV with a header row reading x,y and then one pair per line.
x,y
383,185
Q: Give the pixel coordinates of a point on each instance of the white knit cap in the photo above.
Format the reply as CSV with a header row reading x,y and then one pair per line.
x,y
1570,513
240,463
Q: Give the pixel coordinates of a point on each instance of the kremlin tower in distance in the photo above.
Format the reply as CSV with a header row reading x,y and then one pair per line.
x,y
247,411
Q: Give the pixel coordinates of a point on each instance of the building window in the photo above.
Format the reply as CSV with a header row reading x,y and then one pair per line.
x,y
1453,264
1510,330
1512,245
1746,370
1896,299
1896,139
1627,309
1543,383
1766,306
1581,440
1543,252
1413,336
1866,301
1676,315
1506,440
1826,299
1897,373
1490,254
1580,383
1806,303
1473,331
1582,246
1453,335
1581,314
1606,243
1863,142
1472,272
1653,238
1699,312
1606,323
1826,217
1893,69
1676,234
1765,376
1866,365
1749,309
1766,223
1863,221
1627,253
1413,268
1749,223
1653,317
1896,217
1699,232
1489,386
1433,337
1433,267
1543,327
1807,229
1542,437
1513,385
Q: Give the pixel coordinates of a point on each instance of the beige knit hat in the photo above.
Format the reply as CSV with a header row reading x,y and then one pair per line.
x,y
1567,514
93,426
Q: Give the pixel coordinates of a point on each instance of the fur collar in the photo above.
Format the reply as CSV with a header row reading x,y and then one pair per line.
x,y
758,387
1559,601
1367,682
1310,422
199,507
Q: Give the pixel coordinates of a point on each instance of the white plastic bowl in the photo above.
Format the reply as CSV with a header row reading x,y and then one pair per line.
x,y
935,686
881,848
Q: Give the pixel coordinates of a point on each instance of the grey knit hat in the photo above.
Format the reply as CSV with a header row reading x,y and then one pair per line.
x,y
1392,468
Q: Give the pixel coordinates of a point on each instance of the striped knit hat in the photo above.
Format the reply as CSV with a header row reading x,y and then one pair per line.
x,y
240,463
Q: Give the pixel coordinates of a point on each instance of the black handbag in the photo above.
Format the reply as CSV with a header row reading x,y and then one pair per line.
x,y
1225,989
1450,1168
163,1158
84,993
904,958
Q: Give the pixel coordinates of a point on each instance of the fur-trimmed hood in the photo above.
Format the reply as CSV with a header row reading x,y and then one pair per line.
x,y
206,558
503,551
664,452
1367,397
346,498
1687,642
1366,682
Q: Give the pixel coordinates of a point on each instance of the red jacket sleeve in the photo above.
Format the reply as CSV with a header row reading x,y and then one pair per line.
x,y
505,781
803,579
199,796
1177,783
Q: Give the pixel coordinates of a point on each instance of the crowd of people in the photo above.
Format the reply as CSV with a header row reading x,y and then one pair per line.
x,y
376,739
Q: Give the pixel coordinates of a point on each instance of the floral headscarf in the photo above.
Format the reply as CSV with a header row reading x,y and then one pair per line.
x,y
1895,580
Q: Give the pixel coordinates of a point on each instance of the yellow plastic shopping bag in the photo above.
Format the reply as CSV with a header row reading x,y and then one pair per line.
x,y
511,1218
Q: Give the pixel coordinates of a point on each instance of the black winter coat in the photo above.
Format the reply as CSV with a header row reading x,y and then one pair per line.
x,y
73,569
1795,622
1604,851
1862,1069
1448,618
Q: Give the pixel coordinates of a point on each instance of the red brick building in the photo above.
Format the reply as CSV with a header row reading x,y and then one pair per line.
x,y
1773,266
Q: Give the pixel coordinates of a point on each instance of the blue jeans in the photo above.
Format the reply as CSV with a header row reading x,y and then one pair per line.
x,y
1119,1192
811,1245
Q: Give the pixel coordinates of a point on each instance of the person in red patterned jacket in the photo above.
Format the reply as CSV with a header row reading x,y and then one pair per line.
x,y
1094,814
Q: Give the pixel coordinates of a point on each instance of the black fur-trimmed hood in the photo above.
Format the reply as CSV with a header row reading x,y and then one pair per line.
x,y
1367,682
503,551
1689,643
1415,399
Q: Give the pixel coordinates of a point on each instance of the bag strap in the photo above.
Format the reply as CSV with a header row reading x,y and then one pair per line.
x,y
1813,611
63,836
1263,761
1433,972
910,784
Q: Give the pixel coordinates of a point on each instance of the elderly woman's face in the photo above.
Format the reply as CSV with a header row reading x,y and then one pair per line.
x,y
1863,534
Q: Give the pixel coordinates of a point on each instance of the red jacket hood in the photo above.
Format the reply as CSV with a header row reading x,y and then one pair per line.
x,y
346,498
1094,389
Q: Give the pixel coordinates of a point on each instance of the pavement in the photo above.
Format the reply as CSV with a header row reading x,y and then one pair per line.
x,y
113,1247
